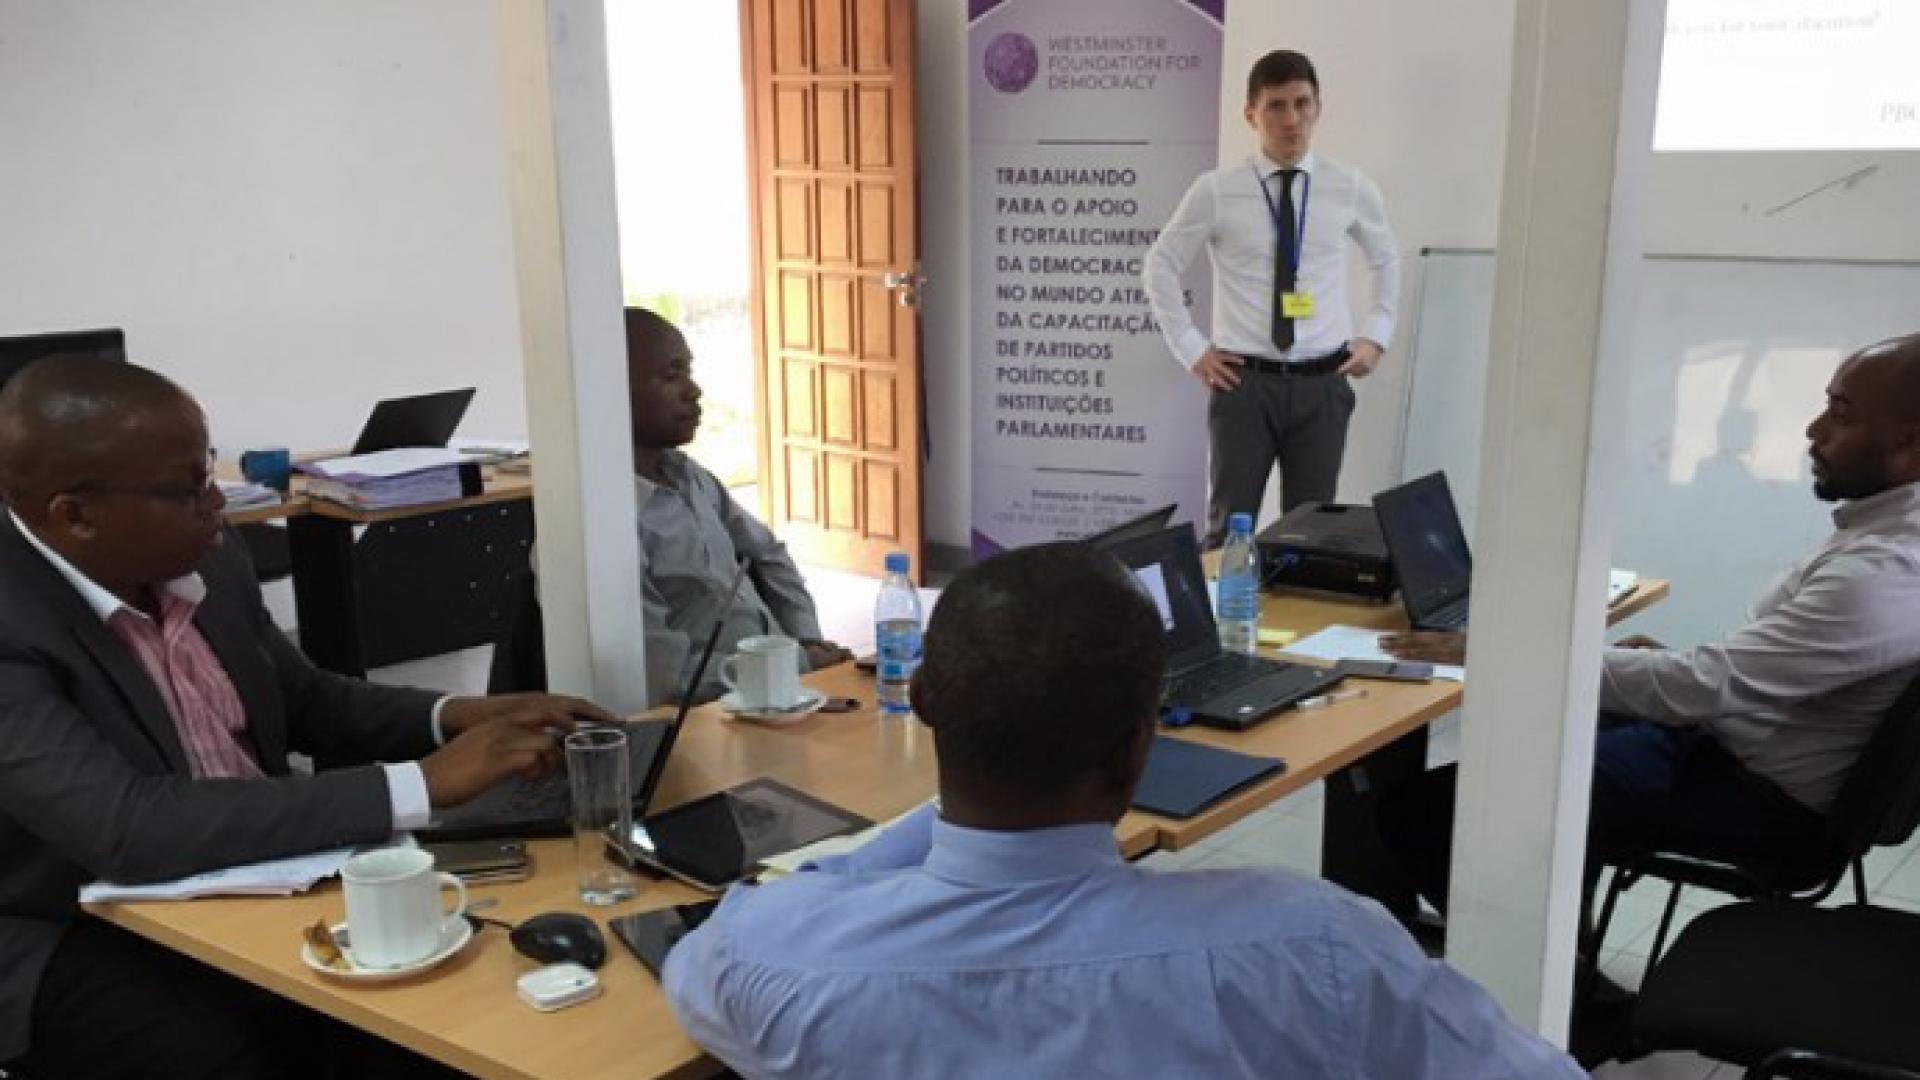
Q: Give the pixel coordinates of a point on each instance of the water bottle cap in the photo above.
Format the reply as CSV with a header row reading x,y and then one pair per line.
x,y
1240,523
897,562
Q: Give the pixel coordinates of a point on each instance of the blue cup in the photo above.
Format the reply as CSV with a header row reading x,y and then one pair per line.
x,y
269,468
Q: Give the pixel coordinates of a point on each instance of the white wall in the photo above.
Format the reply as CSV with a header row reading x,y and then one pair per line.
x,y
1417,97
298,208
293,208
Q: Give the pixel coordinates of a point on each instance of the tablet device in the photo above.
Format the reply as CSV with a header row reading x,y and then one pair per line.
x,y
651,935
712,842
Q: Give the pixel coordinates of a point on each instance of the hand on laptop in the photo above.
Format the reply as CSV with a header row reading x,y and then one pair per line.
x,y
557,711
825,654
483,755
1427,646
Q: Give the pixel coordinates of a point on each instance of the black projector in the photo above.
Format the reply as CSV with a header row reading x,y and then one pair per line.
x,y
1328,548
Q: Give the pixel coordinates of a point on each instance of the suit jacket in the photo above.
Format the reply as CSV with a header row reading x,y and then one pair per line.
x,y
93,780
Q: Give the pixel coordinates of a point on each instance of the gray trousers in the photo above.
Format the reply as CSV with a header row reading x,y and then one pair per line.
x,y
1299,421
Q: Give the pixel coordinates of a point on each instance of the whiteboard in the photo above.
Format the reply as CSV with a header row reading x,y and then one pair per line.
x,y
1731,359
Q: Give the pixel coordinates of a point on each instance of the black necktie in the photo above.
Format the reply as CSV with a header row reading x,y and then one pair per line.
x,y
1286,241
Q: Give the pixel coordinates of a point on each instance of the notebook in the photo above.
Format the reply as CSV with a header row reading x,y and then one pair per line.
x,y
1183,778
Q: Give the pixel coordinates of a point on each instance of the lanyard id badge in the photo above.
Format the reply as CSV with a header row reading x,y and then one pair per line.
x,y
1295,304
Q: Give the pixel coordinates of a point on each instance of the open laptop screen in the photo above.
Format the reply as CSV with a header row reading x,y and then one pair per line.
x,y
1167,565
1424,538
1146,524
17,352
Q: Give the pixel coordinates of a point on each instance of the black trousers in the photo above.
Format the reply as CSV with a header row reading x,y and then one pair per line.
x,y
115,1006
1655,787
1296,421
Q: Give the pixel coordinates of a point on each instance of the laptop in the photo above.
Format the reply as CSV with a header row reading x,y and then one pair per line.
x,y
1146,524
17,352
1428,548
1205,683
520,807
421,420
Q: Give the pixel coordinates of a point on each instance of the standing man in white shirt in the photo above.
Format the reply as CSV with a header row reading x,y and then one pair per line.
x,y
1283,348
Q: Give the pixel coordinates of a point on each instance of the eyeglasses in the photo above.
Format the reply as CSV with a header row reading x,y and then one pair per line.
x,y
185,495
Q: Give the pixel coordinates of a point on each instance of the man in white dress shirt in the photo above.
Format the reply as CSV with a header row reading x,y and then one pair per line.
x,y
1736,750
1283,347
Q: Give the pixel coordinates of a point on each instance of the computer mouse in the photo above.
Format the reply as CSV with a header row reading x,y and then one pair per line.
x,y
561,935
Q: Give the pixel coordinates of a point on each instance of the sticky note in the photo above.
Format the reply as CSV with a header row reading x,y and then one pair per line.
x,y
1276,638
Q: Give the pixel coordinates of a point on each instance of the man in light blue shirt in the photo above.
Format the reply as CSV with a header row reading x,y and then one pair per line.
x,y
1006,937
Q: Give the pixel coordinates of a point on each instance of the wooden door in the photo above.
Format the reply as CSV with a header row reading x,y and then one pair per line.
x,y
830,148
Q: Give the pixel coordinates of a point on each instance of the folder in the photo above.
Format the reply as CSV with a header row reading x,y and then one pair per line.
x,y
1183,778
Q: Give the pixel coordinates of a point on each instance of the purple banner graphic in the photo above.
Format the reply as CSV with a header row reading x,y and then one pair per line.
x,y
1088,119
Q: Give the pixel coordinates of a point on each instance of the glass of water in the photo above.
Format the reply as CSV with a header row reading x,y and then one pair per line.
x,y
598,773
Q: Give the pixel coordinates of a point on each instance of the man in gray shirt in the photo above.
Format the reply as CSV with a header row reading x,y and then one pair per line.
x,y
694,534
1736,749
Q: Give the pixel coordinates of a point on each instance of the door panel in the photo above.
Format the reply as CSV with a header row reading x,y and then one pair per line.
x,y
830,93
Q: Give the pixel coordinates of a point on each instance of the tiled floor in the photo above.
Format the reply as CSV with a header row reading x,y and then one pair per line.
x,y
1287,834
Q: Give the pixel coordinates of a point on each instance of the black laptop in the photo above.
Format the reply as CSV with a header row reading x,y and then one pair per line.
x,y
520,807
21,350
421,420
1205,683
1428,549
1146,524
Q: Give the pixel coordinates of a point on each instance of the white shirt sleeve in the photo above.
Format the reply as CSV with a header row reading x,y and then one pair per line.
x,y
407,792
1375,237
1180,242
1849,620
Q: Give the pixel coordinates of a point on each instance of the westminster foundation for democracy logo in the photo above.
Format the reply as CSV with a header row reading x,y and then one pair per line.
x,y
1011,63
1084,62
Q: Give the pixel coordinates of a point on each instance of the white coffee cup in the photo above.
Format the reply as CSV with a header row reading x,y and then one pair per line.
x,y
764,672
394,917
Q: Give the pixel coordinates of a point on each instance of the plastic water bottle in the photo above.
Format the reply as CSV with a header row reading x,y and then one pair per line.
x,y
1238,607
896,635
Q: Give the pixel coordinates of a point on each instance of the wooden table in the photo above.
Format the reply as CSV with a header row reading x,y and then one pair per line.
x,y
465,1013
1359,747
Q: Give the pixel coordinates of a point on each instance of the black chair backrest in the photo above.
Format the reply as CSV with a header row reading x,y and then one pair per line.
x,y
1880,801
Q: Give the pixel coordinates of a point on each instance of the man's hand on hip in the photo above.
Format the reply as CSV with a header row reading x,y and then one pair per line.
x,y
1366,357
1216,369
482,756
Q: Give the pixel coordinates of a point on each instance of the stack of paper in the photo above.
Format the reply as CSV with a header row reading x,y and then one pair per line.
x,y
278,877
390,478
492,450
1358,643
247,495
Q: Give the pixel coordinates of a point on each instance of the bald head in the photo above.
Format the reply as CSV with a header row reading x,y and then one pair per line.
x,y
1867,440
69,421
1894,365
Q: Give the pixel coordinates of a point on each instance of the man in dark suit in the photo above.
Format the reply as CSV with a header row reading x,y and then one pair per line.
x,y
147,707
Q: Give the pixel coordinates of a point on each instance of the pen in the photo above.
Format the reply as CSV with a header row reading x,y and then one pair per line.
x,y
1336,697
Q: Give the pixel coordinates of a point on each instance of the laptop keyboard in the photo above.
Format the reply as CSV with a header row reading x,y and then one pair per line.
x,y
1228,671
1451,617
548,798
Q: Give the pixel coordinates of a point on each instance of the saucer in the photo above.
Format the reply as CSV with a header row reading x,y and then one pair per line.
x,y
454,935
809,703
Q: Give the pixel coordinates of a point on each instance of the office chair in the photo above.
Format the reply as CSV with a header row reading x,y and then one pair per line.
x,y
1791,990
520,652
1878,805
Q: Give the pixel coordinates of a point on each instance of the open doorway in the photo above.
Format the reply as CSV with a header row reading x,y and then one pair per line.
x,y
685,222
